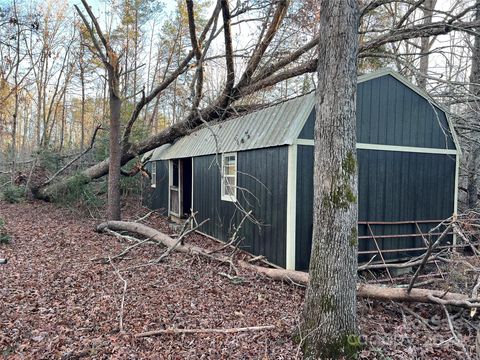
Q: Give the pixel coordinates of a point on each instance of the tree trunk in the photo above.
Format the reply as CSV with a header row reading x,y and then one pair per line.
x,y
473,185
329,314
113,208
425,44
82,105
15,111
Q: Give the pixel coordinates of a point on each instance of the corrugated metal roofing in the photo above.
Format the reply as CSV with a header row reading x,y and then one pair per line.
x,y
276,125
156,153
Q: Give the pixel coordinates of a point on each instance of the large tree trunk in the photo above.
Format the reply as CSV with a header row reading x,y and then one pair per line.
x,y
113,208
473,186
329,314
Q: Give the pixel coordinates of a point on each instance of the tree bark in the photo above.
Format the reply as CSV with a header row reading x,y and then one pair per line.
x,y
329,313
114,165
473,178
16,96
425,44
81,66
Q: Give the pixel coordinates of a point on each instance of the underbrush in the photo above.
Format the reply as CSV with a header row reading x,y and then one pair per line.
x,y
80,194
5,237
12,193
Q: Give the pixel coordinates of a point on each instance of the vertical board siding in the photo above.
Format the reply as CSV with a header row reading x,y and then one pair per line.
x,y
392,186
389,112
415,187
157,198
307,130
262,188
304,218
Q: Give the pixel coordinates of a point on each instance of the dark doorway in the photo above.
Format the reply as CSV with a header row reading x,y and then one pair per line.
x,y
186,173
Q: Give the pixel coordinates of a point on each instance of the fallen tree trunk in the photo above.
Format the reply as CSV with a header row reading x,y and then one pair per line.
x,y
365,291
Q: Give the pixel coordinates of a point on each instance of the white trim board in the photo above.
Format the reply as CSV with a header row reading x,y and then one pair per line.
x,y
290,256
381,147
412,149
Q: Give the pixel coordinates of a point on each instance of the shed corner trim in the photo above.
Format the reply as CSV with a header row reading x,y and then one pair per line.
x,y
290,260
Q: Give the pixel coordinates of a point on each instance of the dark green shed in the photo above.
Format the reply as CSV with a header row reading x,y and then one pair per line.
x,y
263,162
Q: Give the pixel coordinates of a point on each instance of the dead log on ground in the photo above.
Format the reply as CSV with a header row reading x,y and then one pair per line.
x,y
365,291
204,331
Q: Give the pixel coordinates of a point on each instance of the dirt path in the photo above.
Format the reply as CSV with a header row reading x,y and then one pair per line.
x,y
56,303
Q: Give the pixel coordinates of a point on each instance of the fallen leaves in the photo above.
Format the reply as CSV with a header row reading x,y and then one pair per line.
x,y
55,303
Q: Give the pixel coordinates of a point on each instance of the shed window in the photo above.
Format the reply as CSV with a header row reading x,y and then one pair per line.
x,y
154,175
229,177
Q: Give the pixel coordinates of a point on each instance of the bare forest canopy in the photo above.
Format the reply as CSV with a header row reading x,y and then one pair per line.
x,y
182,64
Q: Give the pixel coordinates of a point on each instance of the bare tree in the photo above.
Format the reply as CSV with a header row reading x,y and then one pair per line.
x,y
111,62
473,186
329,314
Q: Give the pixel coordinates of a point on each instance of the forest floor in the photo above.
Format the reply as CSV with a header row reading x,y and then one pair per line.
x,y
55,303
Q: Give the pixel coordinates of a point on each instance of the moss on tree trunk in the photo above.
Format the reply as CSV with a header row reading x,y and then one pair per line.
x,y
328,328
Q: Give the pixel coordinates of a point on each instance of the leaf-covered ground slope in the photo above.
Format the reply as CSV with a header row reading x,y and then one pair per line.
x,y
56,303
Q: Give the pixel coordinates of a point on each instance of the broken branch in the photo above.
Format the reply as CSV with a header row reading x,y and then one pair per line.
x,y
204,331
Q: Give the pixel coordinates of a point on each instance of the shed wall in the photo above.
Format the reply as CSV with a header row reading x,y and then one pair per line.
x,y
390,113
262,185
392,186
157,198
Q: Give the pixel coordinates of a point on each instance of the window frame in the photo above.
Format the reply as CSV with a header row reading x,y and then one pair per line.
x,y
224,195
153,179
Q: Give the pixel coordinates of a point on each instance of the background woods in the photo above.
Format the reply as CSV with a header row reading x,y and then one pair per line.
x,y
182,64
54,88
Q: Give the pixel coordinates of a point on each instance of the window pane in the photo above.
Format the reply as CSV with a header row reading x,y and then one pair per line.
x,y
229,176
154,174
230,185
229,170
229,165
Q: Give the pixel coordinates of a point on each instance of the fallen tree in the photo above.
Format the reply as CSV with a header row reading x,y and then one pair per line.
x,y
365,291
258,75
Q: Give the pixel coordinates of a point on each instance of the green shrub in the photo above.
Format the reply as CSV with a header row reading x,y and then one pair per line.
x,y
49,159
79,191
4,236
13,193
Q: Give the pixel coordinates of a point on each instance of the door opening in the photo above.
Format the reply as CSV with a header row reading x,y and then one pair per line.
x,y
180,187
186,192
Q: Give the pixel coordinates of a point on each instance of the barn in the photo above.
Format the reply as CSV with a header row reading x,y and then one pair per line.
x,y
262,162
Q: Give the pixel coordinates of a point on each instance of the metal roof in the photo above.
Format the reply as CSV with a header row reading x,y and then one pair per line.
x,y
155,154
279,124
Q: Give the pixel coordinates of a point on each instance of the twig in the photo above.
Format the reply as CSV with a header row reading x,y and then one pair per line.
x,y
256,258
122,254
122,303
179,240
431,247
174,331
452,329
418,317
144,217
